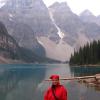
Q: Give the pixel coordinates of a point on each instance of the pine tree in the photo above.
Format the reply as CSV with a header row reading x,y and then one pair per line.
x,y
89,54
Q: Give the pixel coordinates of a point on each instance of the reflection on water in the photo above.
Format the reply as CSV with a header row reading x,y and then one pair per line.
x,y
26,81
20,82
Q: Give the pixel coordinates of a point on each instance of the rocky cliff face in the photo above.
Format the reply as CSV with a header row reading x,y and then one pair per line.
x,y
68,22
8,46
11,52
91,24
87,17
72,25
31,12
25,20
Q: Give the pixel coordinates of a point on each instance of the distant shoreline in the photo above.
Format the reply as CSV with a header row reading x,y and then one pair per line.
x,y
91,65
87,65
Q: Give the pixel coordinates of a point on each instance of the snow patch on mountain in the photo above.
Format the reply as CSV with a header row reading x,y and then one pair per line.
x,y
60,33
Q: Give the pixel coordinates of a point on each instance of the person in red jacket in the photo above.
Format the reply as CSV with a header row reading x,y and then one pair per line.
x,y
56,91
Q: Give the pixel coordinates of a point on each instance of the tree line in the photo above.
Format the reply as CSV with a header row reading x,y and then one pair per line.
x,y
89,54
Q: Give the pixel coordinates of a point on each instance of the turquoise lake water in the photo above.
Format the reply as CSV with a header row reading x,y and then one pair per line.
x,y
26,81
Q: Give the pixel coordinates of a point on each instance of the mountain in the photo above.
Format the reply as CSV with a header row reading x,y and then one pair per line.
x,y
27,19
88,17
53,32
9,48
73,26
33,15
67,21
11,52
31,12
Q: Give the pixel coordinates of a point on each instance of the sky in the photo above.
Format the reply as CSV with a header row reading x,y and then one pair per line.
x,y
77,6
2,3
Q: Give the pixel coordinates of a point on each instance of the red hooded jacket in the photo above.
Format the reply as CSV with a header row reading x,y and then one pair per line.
x,y
60,92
